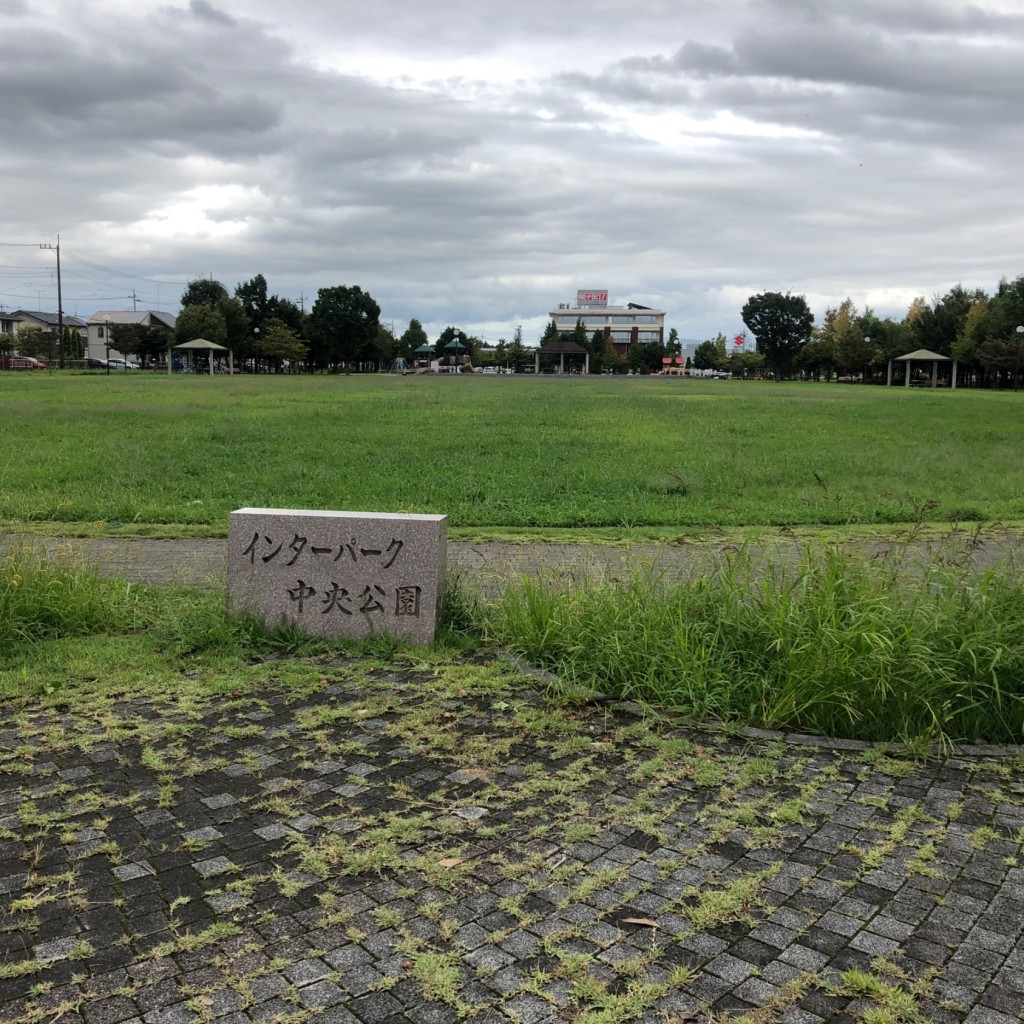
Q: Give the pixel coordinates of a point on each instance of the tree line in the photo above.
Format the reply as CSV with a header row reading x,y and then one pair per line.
x,y
976,329
267,333
343,330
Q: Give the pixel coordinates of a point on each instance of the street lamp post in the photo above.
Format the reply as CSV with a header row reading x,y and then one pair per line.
x,y
1016,366
106,338
256,357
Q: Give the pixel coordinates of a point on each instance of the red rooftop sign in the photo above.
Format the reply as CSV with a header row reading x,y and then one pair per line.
x,y
585,298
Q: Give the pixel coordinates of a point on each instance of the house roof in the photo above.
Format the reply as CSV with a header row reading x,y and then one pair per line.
x,y
924,355
150,317
50,319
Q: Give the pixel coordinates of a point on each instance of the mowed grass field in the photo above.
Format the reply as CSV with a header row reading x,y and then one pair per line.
x,y
142,454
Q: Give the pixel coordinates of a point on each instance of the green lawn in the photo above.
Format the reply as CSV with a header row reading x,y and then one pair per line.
x,y
150,454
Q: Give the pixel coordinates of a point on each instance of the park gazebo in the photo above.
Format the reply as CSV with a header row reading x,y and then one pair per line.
x,y
456,347
562,349
202,345
922,355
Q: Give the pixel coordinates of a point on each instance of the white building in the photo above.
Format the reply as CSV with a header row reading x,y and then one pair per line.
x,y
624,326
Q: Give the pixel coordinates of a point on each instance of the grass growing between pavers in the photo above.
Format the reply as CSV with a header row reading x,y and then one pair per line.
x,y
154,456
195,823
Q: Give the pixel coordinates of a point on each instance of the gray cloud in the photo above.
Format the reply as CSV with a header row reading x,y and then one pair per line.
x,y
476,162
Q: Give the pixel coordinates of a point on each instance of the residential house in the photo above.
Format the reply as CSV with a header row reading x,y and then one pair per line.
x,y
99,325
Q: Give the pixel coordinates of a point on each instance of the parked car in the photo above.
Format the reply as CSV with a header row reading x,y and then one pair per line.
x,y
21,363
95,364
120,364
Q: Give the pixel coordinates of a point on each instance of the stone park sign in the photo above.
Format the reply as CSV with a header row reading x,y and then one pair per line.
x,y
333,574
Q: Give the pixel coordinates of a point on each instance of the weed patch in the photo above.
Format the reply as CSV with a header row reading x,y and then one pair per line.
x,y
832,643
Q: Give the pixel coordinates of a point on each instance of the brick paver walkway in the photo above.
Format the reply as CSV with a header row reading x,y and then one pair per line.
x,y
419,845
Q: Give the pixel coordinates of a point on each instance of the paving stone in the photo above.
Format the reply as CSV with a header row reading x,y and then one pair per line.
x,y
840,923
376,1007
333,1015
488,958
131,871
206,834
220,801
305,972
110,1011
56,949
320,994
756,991
730,969
267,986
986,1015
349,956
876,945
433,1013
212,866
357,981
179,1014
528,1009
276,831
801,956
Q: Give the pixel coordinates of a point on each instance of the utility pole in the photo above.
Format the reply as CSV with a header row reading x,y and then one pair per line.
x,y
60,306
135,304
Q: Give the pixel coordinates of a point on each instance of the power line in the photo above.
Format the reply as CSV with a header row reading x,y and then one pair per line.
x,y
114,272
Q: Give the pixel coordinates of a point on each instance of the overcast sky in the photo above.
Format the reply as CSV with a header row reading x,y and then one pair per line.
x,y
474,162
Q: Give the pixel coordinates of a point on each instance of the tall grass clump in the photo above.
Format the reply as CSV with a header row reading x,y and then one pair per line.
x,y
829,642
48,596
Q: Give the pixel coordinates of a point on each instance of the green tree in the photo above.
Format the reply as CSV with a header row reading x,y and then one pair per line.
x,y
203,291
252,294
200,321
518,356
578,335
915,311
851,350
281,343
938,326
747,364
971,336
35,342
342,326
411,339
673,346
782,326
141,341
599,347
818,356
1005,311
712,354
501,353
289,314
237,329
385,345
74,343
